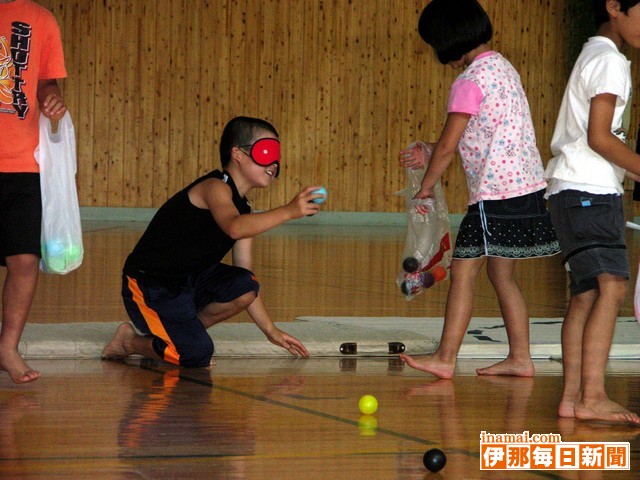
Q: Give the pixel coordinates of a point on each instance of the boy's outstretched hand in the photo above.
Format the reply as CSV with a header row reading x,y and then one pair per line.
x,y
303,205
289,343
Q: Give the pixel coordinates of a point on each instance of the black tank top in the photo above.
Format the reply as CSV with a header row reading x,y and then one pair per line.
x,y
182,239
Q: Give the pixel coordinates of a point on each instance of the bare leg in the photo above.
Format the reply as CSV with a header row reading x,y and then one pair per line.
x,y
572,333
17,296
456,320
598,335
219,312
513,307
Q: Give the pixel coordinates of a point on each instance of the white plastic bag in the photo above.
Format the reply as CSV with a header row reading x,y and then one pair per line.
x,y
61,239
427,253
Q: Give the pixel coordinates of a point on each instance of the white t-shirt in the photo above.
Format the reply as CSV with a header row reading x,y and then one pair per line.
x,y
600,68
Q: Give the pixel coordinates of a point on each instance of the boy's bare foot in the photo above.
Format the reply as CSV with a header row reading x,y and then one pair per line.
x,y
116,349
606,411
509,367
16,367
430,365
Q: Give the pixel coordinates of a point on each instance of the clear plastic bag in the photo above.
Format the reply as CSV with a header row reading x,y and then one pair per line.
x,y
427,253
61,238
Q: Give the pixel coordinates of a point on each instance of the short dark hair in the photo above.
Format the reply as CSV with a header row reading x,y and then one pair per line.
x,y
454,27
241,131
600,9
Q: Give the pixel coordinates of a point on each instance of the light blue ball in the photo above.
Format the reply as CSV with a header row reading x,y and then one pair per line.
x,y
55,248
320,191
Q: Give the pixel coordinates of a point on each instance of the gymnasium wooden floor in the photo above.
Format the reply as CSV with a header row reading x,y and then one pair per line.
x,y
287,418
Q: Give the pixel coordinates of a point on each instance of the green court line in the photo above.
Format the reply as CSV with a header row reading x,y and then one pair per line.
x,y
132,214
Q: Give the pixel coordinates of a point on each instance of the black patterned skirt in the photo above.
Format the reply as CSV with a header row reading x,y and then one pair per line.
x,y
518,227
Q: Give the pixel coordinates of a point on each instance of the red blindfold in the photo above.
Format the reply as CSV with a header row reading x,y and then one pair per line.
x,y
265,152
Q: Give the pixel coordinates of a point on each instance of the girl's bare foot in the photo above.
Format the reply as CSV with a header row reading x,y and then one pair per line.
x,y
116,349
16,367
510,367
430,365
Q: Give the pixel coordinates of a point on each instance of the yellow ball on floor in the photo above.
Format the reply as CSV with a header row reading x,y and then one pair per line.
x,y
368,404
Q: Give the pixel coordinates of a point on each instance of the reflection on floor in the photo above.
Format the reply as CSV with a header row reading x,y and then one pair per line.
x,y
304,271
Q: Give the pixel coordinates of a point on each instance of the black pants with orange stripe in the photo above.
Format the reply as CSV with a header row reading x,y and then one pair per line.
x,y
170,313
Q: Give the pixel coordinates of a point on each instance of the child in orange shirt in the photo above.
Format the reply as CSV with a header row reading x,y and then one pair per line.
x,y
31,59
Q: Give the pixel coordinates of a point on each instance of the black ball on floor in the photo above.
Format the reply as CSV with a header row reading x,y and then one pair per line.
x,y
434,460
404,289
410,264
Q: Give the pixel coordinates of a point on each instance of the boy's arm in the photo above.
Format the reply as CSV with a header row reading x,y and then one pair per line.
x,y
242,256
215,195
243,253
603,141
50,99
633,176
258,313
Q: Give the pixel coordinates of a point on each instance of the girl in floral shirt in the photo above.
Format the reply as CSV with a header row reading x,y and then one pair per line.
x,y
489,123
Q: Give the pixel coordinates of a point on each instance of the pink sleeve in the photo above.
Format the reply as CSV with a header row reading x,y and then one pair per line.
x,y
465,97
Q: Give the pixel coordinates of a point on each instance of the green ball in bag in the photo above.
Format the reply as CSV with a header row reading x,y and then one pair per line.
x,y
73,253
57,263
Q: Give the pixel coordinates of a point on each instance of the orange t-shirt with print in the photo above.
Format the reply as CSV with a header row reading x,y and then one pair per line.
x,y
30,50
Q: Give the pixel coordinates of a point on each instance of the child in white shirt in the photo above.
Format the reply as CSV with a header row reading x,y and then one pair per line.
x,y
585,202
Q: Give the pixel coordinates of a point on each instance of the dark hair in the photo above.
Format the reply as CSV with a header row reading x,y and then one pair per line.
x,y
454,27
600,9
241,131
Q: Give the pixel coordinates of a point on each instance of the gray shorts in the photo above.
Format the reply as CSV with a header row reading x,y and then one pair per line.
x,y
590,230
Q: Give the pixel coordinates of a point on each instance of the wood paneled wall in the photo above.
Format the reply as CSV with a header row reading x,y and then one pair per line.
x,y
347,83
